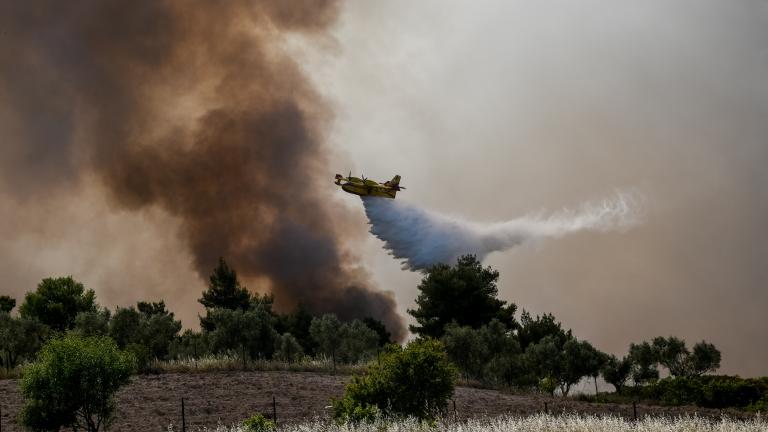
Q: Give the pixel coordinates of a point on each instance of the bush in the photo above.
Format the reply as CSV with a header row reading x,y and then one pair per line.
x,y
258,423
710,391
72,383
413,381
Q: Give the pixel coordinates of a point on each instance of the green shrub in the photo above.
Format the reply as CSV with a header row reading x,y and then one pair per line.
x,y
72,383
710,391
258,423
141,355
415,381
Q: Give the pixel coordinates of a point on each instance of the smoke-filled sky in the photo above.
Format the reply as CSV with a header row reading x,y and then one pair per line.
x,y
140,143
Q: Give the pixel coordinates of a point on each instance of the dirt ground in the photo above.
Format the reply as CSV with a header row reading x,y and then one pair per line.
x,y
153,402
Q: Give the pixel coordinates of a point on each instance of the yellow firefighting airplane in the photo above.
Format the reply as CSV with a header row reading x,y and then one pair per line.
x,y
365,187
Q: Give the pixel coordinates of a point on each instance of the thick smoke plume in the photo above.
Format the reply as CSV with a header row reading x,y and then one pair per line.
x,y
194,108
422,238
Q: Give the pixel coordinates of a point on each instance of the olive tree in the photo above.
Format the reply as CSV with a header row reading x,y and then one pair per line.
x,y
72,383
617,372
326,333
251,333
20,338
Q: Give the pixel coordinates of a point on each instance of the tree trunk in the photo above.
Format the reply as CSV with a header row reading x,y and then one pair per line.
x,y
596,392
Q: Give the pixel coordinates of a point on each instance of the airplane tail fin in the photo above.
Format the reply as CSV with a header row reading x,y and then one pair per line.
x,y
394,185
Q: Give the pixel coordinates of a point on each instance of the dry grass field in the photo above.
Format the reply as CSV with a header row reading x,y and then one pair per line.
x,y
533,423
152,402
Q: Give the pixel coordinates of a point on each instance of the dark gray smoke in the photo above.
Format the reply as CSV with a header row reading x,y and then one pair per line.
x,y
195,109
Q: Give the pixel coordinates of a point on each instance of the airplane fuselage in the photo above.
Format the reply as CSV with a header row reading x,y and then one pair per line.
x,y
366,187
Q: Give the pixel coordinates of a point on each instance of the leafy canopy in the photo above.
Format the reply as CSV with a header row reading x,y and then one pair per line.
x,y
672,353
57,301
7,303
20,338
73,382
224,290
251,332
464,293
147,332
616,372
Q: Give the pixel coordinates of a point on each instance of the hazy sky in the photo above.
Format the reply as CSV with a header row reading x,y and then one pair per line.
x,y
489,111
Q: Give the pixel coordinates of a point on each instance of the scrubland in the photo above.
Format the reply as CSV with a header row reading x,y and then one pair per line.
x,y
533,423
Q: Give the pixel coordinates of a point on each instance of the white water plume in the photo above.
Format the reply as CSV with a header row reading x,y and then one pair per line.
x,y
422,238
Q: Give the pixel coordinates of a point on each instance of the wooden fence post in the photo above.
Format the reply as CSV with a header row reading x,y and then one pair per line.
x,y
455,413
546,408
634,410
183,417
274,410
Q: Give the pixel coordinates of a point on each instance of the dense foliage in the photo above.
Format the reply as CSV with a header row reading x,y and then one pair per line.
x,y
457,304
464,293
7,304
57,301
415,381
236,322
20,339
72,382
711,391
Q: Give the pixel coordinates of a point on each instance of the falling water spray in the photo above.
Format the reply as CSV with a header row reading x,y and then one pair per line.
x,y
422,238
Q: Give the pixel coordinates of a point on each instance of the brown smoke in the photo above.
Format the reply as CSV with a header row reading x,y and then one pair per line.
x,y
194,108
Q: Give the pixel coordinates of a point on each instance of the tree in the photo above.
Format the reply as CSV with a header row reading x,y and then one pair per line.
x,y
151,326
490,354
503,362
20,338
616,372
464,293
158,328
545,358
287,348
579,360
297,323
57,301
72,383
224,290
532,330
125,326
413,381
190,344
326,333
250,333
358,342
595,361
7,304
385,337
465,349
95,323
672,354
644,360
705,358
